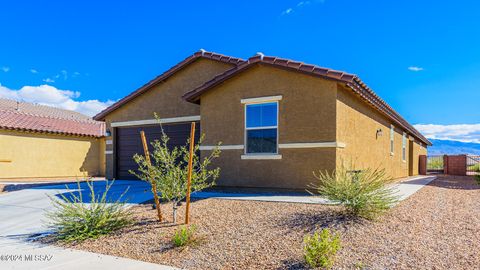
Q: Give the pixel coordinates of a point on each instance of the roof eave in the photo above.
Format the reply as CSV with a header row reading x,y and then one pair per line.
x,y
349,79
164,76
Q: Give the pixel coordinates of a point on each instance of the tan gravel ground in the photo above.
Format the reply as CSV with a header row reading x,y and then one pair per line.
x,y
436,228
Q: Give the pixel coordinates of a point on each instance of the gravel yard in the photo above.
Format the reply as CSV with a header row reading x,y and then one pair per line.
x,y
436,228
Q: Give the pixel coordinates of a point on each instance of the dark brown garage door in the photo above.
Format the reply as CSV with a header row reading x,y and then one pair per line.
x,y
128,143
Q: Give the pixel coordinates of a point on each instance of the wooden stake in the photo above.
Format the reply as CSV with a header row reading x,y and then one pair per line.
x,y
190,165
152,183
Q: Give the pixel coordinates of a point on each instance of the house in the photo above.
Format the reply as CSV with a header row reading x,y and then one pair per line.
x,y
278,120
39,141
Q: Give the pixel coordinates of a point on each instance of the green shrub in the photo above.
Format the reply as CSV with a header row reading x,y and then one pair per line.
x,y
320,248
74,220
474,168
363,193
184,236
477,178
435,163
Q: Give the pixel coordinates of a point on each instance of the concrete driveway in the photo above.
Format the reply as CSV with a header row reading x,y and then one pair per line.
x,y
22,216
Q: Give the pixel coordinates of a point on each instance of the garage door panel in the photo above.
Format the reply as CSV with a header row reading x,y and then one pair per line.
x,y
128,143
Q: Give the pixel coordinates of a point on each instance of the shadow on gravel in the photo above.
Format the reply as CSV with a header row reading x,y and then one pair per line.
x,y
455,182
331,218
292,265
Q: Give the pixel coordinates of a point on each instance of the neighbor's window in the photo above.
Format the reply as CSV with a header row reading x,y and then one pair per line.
x,y
392,136
261,122
404,146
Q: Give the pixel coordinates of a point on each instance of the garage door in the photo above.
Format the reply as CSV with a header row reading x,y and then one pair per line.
x,y
129,143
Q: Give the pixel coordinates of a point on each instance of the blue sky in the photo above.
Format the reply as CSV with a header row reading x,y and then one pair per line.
x,y
422,57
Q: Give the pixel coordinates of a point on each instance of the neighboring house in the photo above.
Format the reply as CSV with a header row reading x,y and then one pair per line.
x,y
278,120
39,141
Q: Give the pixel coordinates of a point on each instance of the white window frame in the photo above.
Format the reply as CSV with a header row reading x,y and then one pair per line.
x,y
404,147
245,140
392,140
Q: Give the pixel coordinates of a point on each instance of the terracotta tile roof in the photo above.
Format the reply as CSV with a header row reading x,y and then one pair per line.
x,y
200,54
30,117
42,110
350,80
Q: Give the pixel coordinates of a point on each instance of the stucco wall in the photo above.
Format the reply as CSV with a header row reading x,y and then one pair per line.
x,y
417,151
357,124
165,99
34,155
306,115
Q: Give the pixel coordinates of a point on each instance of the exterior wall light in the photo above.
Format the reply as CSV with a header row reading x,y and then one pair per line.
x,y
379,132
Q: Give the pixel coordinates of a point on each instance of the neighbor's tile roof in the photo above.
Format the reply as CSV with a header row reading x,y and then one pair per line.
x,y
350,80
166,75
25,116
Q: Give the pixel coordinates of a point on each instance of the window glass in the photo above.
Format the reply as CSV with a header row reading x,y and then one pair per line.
x,y
261,128
262,115
262,140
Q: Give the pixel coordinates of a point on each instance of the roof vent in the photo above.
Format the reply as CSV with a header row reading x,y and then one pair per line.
x,y
261,55
203,51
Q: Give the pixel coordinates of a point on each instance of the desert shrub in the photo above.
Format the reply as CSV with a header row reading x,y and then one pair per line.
x,y
320,248
184,236
363,193
474,168
75,219
435,163
477,178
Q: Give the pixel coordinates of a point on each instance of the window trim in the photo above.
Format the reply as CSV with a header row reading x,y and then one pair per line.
x,y
260,100
245,129
404,147
392,140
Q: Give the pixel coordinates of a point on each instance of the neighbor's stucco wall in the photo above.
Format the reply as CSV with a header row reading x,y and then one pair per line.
x,y
306,115
35,155
357,125
165,99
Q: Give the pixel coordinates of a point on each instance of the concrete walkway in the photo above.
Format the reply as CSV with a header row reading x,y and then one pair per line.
x,y
22,215
405,188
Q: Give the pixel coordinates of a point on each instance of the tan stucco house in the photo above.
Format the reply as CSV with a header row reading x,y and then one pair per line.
x,y
39,141
278,120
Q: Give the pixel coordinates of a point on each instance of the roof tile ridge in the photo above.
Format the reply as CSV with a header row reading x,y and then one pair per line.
x,y
87,121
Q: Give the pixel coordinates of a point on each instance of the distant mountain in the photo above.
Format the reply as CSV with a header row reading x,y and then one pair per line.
x,y
441,147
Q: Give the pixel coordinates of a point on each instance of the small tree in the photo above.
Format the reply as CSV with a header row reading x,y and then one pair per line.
x,y
168,170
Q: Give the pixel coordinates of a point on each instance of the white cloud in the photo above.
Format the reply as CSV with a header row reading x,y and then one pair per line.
x,y
64,74
34,71
5,69
301,4
75,74
287,11
414,68
460,132
51,96
48,80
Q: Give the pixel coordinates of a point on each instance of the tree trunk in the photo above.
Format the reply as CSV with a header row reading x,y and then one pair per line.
x,y
175,212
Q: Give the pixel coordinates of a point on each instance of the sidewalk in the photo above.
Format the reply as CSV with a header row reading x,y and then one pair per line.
x,y
22,214
406,188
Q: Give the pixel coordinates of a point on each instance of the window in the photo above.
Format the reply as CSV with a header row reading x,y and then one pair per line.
x,y
261,120
404,146
392,136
